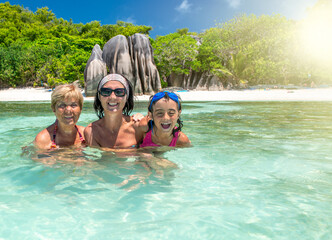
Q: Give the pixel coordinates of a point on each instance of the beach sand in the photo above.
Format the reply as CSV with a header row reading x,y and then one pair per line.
x,y
315,94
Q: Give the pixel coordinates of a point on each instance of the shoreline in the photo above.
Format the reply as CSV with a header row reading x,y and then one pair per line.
x,y
312,94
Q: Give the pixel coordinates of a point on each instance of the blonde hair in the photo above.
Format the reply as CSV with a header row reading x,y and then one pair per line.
x,y
66,91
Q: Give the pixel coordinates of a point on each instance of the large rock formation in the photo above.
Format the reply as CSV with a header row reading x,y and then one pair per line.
x,y
133,58
146,73
95,70
117,57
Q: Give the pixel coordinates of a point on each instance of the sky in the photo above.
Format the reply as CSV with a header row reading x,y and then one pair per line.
x,y
166,16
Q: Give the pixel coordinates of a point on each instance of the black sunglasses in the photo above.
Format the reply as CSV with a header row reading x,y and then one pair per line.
x,y
119,92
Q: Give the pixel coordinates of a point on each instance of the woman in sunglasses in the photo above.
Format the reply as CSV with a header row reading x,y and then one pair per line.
x,y
163,114
113,103
66,103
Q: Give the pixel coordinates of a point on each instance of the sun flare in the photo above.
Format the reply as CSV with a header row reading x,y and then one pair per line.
x,y
316,34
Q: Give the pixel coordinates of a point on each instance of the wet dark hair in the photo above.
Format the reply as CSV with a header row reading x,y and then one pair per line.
x,y
128,108
150,109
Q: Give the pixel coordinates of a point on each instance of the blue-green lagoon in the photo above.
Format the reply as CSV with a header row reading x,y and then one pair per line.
x,y
257,170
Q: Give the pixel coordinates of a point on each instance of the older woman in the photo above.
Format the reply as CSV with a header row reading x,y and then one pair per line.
x,y
66,103
113,103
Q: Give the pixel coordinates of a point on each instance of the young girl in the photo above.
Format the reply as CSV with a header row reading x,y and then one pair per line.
x,y
163,114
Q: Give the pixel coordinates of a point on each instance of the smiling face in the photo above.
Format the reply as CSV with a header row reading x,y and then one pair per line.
x,y
67,111
165,114
113,103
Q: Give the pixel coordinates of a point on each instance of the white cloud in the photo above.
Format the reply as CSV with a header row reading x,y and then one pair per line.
x,y
129,20
184,7
234,3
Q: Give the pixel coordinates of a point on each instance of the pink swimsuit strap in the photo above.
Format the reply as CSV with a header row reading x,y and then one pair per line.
x,y
53,145
147,141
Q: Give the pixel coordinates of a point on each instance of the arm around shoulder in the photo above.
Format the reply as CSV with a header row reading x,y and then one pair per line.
x,y
183,140
141,128
88,134
143,124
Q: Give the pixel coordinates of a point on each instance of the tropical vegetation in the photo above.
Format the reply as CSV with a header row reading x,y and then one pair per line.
x,y
251,50
38,48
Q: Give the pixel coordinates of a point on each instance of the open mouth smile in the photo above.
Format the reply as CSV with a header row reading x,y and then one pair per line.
x,y
112,104
165,125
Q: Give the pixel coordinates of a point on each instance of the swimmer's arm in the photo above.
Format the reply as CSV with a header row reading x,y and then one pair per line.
x,y
157,163
183,140
88,135
141,128
143,124
43,140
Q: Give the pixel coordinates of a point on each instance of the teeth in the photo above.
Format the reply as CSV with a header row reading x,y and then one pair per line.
x,y
112,104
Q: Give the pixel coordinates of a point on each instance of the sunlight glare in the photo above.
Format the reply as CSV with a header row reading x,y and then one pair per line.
x,y
316,36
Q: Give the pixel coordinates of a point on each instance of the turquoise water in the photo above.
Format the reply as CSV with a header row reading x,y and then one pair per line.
x,y
257,170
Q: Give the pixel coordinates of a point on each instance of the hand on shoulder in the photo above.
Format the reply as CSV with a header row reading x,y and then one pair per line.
x,y
142,125
137,117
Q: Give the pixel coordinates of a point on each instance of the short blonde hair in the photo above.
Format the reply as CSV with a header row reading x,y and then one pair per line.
x,y
66,91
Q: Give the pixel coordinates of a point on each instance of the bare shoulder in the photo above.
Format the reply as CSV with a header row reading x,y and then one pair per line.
x,y
183,140
92,131
87,132
91,126
43,139
87,129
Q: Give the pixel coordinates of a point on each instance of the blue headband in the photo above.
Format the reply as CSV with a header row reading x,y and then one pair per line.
x,y
162,94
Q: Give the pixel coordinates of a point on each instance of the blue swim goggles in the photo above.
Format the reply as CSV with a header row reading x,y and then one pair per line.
x,y
162,94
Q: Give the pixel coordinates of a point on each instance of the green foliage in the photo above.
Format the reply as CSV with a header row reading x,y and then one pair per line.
x,y
247,49
251,48
38,48
44,15
175,53
183,31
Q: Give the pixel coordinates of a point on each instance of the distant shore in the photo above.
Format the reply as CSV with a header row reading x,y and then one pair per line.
x,y
314,94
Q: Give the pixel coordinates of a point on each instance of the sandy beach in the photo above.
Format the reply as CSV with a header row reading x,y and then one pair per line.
x,y
315,94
